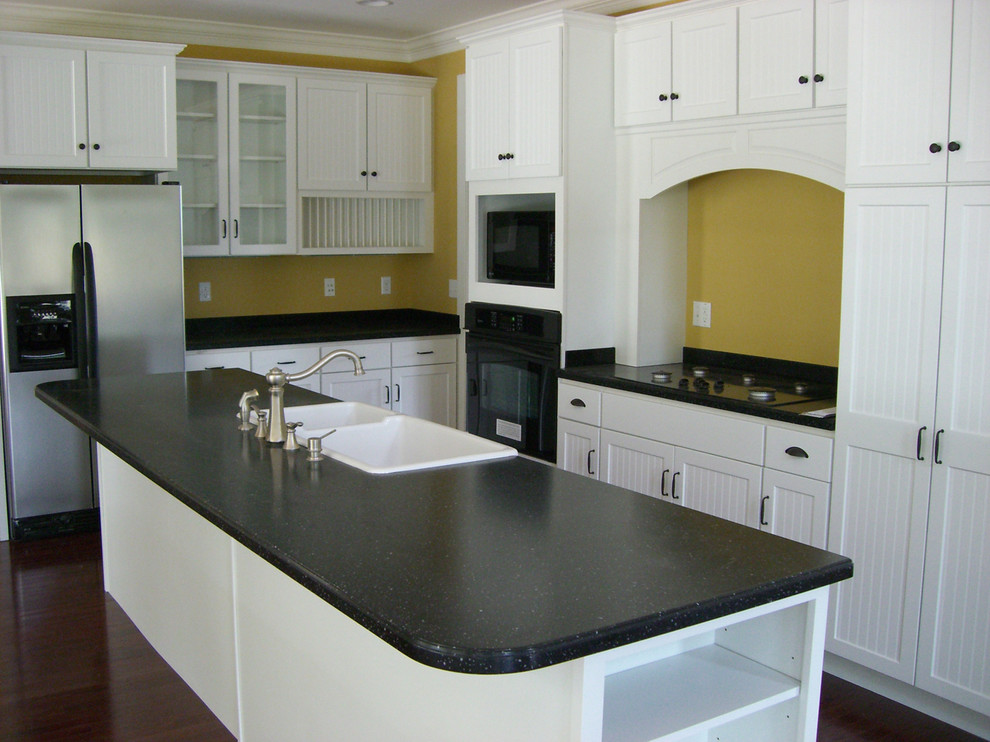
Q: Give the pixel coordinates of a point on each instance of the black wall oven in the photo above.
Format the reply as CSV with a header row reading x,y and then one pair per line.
x,y
513,355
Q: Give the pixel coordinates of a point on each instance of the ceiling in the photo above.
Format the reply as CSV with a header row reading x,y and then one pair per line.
x,y
413,27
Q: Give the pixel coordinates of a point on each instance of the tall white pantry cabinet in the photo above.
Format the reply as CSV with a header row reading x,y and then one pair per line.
x,y
911,483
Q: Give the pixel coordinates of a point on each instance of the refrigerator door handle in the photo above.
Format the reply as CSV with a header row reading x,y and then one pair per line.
x,y
89,271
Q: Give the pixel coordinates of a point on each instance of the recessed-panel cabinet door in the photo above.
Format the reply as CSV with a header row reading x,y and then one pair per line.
x,y
372,388
776,64
892,270
486,110
535,103
400,138
718,486
578,447
954,650
898,91
642,74
704,65
637,464
970,114
337,162
43,107
131,110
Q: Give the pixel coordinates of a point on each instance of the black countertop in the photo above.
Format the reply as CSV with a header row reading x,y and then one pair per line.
x,y
638,379
318,327
484,568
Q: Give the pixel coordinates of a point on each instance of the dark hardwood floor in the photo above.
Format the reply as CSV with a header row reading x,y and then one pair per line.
x,y
74,668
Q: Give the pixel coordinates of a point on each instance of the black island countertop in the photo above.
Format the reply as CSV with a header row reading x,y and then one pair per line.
x,y
483,568
211,333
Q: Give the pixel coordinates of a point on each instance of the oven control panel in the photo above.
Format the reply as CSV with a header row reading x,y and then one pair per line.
x,y
519,322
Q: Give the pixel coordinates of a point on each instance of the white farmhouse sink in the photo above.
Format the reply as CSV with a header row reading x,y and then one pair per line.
x,y
401,443
327,415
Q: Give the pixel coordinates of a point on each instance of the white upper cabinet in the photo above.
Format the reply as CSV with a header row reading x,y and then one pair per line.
x,y
337,162
703,65
776,55
677,64
236,161
514,103
87,103
792,54
381,135
676,70
906,124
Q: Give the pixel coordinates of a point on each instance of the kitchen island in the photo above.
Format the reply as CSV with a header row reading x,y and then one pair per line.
x,y
500,600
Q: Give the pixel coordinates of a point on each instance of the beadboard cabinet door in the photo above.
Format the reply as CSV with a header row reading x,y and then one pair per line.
x,y
954,646
704,64
514,103
776,55
718,486
638,464
898,91
892,269
578,446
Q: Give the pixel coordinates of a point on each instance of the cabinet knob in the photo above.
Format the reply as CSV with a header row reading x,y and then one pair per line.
x,y
501,157
819,78
663,97
803,80
96,146
374,173
364,173
509,156
954,146
674,96
82,145
934,147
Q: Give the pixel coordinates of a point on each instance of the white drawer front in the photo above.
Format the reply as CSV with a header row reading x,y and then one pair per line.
x,y
372,355
292,359
424,351
579,404
684,425
201,360
800,453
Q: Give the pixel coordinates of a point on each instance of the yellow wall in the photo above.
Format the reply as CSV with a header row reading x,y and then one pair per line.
x,y
765,248
290,283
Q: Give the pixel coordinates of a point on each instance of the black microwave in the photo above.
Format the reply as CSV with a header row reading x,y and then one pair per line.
x,y
520,247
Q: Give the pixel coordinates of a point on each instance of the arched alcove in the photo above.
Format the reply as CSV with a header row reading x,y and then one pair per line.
x,y
762,245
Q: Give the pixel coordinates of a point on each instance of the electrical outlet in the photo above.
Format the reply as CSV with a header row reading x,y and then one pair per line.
x,y
204,291
452,288
702,314
386,284
329,287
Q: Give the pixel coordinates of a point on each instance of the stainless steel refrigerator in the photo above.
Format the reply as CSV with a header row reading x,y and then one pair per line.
x,y
91,280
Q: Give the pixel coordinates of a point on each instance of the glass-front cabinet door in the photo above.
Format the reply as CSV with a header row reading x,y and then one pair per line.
x,y
262,164
201,104
236,162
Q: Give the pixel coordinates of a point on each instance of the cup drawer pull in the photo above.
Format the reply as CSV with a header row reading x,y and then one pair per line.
x,y
578,403
796,452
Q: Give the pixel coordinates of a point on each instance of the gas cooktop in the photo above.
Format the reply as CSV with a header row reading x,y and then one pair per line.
x,y
748,386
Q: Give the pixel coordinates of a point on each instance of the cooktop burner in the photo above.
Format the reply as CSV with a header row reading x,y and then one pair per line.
x,y
741,385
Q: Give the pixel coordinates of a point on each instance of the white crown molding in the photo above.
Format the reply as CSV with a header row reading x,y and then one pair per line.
x,y
80,22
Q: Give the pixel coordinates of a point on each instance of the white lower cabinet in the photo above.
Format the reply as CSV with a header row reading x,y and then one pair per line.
x,y
636,463
718,486
202,360
372,388
578,447
775,478
414,376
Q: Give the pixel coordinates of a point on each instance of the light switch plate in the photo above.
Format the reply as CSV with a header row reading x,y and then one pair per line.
x,y
204,291
386,284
